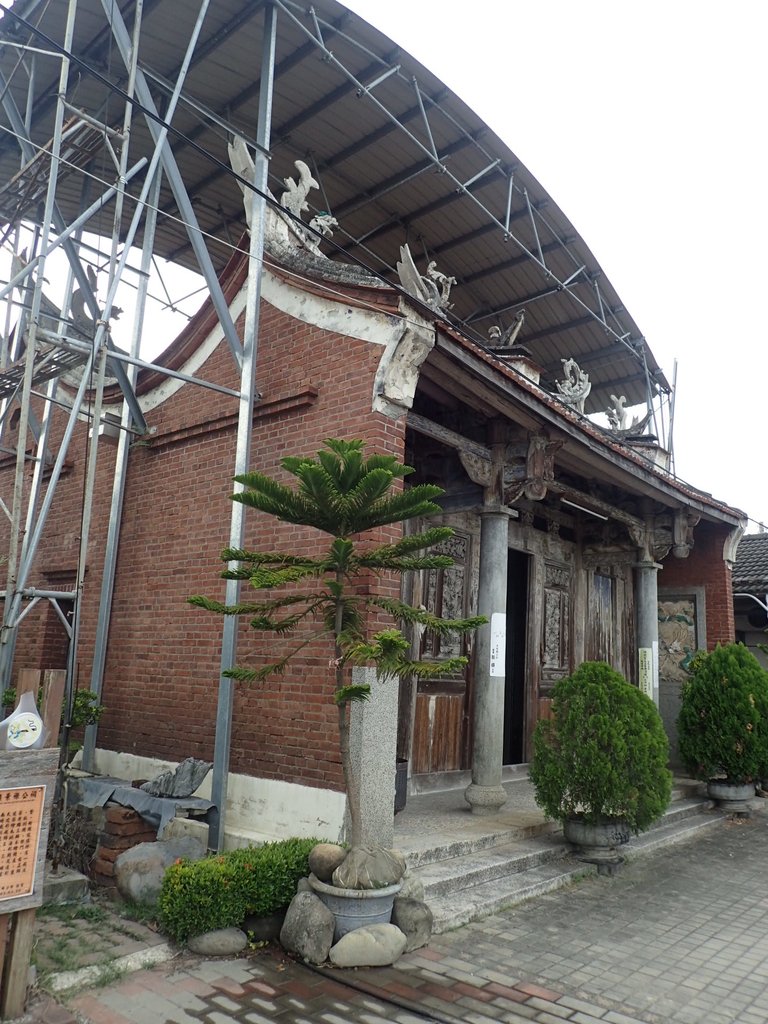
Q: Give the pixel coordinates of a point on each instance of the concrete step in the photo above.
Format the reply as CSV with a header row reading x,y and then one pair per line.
x,y
478,901
476,882
459,873
441,850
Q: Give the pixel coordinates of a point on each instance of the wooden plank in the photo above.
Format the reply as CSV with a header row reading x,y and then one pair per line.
x,y
29,682
13,995
54,680
438,733
5,923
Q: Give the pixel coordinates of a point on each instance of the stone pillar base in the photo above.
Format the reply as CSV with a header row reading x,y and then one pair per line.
x,y
485,799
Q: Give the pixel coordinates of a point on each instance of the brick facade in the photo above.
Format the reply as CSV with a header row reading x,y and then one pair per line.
x,y
162,665
705,566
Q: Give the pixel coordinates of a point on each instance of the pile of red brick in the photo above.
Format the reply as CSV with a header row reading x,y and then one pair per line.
x,y
123,829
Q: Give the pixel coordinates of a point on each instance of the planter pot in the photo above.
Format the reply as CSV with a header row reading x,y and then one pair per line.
x,y
598,844
731,796
356,908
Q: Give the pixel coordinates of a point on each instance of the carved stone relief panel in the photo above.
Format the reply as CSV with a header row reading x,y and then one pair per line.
x,y
556,625
447,595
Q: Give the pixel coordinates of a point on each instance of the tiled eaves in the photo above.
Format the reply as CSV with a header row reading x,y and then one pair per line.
x,y
572,422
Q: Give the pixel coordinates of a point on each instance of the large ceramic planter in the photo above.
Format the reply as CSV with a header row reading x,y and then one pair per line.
x,y
731,796
356,908
597,844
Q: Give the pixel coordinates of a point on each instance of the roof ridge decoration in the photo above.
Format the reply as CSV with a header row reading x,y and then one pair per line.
x,y
617,419
432,288
575,387
286,238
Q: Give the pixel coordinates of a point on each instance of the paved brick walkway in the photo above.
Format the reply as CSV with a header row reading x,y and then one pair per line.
x,y
677,938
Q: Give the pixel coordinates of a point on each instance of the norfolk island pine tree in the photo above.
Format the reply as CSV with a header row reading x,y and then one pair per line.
x,y
344,495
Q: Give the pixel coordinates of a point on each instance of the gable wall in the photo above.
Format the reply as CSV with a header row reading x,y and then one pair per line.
x,y
162,669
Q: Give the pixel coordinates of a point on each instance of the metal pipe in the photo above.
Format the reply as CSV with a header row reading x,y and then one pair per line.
x,y
173,175
82,279
118,483
244,427
74,345
67,233
11,608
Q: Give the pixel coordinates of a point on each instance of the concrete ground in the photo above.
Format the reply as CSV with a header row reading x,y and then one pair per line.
x,y
678,937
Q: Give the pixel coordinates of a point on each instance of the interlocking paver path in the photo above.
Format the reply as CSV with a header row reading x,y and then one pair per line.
x,y
680,937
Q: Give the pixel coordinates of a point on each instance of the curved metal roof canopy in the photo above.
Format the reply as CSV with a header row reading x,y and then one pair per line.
x,y
398,156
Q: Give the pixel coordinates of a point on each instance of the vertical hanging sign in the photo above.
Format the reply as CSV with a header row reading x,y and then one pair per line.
x,y
645,670
498,644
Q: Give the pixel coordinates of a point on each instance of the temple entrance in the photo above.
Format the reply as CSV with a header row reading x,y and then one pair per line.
x,y
514,688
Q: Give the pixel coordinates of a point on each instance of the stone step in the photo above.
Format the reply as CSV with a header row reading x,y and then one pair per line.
x,y
449,848
480,882
457,873
478,901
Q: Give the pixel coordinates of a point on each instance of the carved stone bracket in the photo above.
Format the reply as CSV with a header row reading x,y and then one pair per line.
x,y
535,473
682,532
653,538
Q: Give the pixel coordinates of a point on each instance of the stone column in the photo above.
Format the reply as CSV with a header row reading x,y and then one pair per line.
x,y
486,794
647,604
373,741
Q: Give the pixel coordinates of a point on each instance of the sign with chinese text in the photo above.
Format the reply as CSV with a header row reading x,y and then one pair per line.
x,y
645,670
21,820
498,643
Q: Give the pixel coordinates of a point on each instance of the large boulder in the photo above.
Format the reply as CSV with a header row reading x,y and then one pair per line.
x,y
324,859
139,871
414,919
369,867
376,945
308,928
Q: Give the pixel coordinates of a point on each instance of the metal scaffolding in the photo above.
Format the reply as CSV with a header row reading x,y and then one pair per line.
x,y
141,190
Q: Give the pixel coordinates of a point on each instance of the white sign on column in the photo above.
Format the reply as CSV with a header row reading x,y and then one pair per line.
x,y
645,670
498,644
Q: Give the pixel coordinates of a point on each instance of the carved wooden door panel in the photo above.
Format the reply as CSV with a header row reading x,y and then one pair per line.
x,y
600,631
442,713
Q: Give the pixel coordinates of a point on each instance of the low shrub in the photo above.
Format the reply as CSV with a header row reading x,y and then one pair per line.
x,y
603,754
723,723
222,890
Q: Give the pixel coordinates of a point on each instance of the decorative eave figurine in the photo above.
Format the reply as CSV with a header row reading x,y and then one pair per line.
x,y
575,388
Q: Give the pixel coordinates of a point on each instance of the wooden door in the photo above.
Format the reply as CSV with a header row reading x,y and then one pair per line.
x,y
441,728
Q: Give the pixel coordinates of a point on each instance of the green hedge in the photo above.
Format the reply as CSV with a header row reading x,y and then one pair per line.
x,y
222,890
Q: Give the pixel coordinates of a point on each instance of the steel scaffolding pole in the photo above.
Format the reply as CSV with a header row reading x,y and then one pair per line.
x,y
244,424
175,180
15,563
118,483
28,151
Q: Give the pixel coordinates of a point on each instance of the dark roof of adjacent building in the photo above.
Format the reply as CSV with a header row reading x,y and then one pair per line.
x,y
750,573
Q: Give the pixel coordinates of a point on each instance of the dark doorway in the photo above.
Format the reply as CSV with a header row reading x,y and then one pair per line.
x,y
514,687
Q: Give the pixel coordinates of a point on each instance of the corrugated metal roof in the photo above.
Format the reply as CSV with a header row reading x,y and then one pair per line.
x,y
370,152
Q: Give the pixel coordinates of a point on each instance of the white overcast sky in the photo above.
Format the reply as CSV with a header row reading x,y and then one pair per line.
x,y
646,123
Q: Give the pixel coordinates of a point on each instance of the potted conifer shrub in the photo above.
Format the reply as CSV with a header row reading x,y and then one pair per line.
x,y
301,599
723,724
600,762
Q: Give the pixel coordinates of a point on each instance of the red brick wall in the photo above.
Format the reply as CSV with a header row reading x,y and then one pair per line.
x,y
162,668
705,567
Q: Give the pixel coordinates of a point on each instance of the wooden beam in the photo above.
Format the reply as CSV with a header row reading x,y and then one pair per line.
x,y
446,436
16,969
